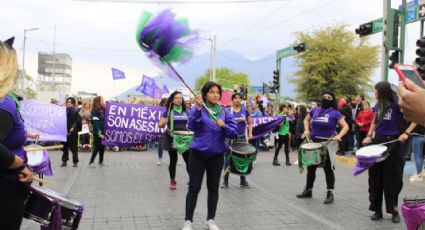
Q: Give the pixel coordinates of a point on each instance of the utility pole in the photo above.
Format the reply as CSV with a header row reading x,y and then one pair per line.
x,y
213,40
23,57
385,50
403,31
54,59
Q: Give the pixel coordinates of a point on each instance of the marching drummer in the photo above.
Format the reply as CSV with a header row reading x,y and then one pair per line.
x,y
243,121
176,120
14,172
211,125
321,122
386,177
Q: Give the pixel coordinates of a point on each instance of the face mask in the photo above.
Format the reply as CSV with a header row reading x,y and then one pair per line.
x,y
326,103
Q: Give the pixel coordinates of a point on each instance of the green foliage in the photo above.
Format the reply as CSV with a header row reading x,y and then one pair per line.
x,y
224,76
335,59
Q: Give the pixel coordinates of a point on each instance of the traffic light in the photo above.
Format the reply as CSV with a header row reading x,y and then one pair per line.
x,y
391,24
299,47
365,29
394,58
276,80
420,60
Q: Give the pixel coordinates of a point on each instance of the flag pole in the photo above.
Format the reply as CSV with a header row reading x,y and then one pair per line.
x,y
187,86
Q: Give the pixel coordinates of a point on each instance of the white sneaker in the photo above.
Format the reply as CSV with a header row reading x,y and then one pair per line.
x,y
210,225
296,163
187,225
416,178
158,162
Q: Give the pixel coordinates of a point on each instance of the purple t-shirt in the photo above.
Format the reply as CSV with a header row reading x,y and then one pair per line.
x,y
324,122
389,125
180,120
240,118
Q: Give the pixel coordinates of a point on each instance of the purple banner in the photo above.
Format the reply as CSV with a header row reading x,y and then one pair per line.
x,y
46,119
136,124
131,124
265,125
117,74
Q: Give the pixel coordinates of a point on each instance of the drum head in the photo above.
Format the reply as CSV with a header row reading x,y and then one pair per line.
x,y
242,148
35,158
311,146
63,200
371,151
184,133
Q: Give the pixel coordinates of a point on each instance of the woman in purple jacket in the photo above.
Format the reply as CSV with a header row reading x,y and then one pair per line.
x,y
207,150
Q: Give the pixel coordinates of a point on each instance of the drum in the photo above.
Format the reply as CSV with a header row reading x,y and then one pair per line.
x,y
413,210
368,156
52,209
311,154
38,161
241,158
183,133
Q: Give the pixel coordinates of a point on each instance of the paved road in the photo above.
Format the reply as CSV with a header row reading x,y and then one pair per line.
x,y
132,193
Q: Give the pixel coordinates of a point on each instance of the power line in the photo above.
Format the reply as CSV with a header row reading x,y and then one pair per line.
x,y
256,24
313,8
183,2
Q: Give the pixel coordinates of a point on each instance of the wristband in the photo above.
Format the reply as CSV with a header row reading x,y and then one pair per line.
x,y
408,134
369,135
22,167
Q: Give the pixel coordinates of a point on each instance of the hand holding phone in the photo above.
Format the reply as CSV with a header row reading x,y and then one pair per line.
x,y
409,72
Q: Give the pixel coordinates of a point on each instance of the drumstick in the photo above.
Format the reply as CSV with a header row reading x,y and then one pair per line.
x,y
389,142
308,139
324,138
54,147
39,180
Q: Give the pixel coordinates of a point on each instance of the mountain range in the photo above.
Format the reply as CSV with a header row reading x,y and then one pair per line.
x,y
258,71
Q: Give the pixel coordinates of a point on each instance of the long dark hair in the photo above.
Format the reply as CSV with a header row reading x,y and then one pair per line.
x,y
260,106
385,98
334,102
170,104
96,103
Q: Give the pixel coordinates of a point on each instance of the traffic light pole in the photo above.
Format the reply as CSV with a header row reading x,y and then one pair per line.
x,y
402,31
278,68
385,50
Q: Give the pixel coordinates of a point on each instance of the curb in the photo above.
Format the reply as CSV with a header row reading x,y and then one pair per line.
x,y
351,160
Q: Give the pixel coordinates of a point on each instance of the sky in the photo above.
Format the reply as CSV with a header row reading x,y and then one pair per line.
x,y
101,34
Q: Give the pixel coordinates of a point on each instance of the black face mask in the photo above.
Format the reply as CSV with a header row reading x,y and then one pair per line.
x,y
326,103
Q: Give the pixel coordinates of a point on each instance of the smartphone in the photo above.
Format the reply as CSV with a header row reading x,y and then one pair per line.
x,y
409,72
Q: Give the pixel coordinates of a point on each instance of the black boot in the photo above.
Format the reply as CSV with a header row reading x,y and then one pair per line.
x,y
244,183
396,217
329,198
307,193
226,181
377,215
276,162
63,164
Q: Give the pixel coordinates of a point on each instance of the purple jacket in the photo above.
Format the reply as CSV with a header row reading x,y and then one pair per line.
x,y
208,137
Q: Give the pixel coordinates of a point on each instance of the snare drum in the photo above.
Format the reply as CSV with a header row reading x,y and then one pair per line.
x,y
311,154
241,158
38,161
52,209
368,156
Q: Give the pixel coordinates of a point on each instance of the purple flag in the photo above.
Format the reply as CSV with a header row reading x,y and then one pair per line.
x,y
165,89
40,163
158,92
117,74
364,163
46,119
131,124
265,125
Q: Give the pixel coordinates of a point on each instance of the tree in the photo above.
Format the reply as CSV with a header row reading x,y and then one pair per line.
x,y
335,59
226,77
28,92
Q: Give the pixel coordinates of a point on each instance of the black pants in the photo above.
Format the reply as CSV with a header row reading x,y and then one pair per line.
x,y
283,140
361,135
12,198
70,144
85,139
386,177
329,173
199,164
97,147
173,162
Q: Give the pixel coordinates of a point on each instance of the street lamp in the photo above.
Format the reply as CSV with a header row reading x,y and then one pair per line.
x,y
23,55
